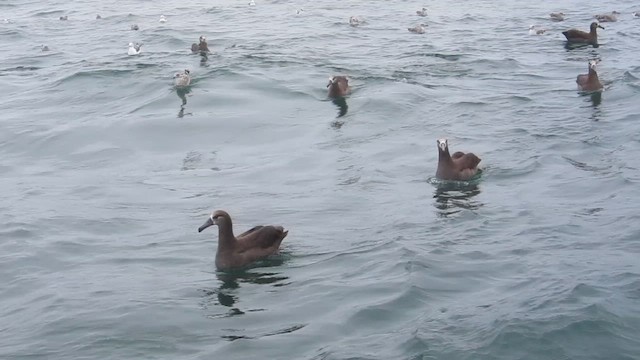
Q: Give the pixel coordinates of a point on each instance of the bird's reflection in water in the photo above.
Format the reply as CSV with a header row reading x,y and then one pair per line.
x,y
454,196
341,103
227,293
204,57
182,94
596,98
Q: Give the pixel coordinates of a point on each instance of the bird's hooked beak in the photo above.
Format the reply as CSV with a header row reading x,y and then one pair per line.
x,y
331,81
209,222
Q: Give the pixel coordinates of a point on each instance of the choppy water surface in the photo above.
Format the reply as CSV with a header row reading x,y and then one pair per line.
x,y
107,171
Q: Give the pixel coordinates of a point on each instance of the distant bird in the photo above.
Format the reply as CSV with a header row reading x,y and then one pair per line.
x,y
611,17
162,19
635,14
98,17
338,86
354,21
557,16
590,81
135,27
64,17
134,49
418,29
534,31
299,11
6,21
581,37
254,244
252,3
182,79
422,12
459,166
44,48
200,47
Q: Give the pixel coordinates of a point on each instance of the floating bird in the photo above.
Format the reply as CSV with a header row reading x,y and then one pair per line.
x,y
162,19
252,3
6,21
557,16
338,86
534,31
44,47
581,37
354,21
460,166
64,17
201,47
590,81
299,11
134,49
182,79
418,29
611,17
422,12
135,27
98,17
254,244
635,14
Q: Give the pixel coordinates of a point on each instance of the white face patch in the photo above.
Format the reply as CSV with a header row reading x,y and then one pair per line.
x,y
442,144
592,64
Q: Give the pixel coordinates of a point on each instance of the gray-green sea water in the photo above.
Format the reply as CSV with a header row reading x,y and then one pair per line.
x,y
108,170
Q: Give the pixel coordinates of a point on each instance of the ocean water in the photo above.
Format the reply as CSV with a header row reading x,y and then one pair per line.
x,y
108,170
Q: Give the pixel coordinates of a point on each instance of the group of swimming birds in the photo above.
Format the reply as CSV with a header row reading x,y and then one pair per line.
x,y
262,241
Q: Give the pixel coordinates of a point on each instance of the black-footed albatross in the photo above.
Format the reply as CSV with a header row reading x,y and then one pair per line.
x,y
338,86
201,46
582,37
252,245
590,81
460,166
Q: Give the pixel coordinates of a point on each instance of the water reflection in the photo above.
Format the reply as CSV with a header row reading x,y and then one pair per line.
x,y
453,197
182,93
596,98
230,282
204,57
341,103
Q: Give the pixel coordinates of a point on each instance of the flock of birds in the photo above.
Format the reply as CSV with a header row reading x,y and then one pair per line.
x,y
263,241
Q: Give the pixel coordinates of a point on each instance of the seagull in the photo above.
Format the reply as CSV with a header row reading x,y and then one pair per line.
x,y
418,29
135,27
64,17
534,31
182,79
163,19
354,21
134,49
422,12
45,48
299,11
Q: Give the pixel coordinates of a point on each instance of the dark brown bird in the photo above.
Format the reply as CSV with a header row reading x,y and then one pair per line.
x,y
590,81
201,47
252,245
338,86
460,166
581,37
